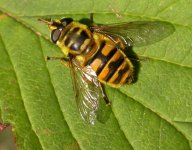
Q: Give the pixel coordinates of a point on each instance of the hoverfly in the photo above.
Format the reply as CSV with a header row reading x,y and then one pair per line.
x,y
96,55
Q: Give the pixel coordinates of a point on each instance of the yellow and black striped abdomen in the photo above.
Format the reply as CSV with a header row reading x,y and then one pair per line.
x,y
110,63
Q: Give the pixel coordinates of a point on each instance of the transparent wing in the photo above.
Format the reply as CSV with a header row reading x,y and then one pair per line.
x,y
138,33
88,91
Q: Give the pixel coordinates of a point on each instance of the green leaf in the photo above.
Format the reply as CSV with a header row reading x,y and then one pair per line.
x,y
37,98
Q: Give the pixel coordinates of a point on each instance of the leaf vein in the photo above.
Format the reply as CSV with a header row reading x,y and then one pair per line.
x,y
102,13
157,113
55,93
167,7
122,129
174,63
20,90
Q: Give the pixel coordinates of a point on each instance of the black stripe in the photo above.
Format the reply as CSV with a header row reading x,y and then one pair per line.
x,y
68,36
113,66
121,73
97,53
77,42
75,30
84,34
65,33
124,70
77,39
67,40
88,48
105,59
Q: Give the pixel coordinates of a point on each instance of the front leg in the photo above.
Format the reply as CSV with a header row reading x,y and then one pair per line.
x,y
64,60
108,103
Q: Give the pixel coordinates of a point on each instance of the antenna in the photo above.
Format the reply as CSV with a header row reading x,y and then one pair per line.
x,y
45,21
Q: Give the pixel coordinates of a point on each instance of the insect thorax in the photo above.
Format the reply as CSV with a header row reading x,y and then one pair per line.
x,y
75,38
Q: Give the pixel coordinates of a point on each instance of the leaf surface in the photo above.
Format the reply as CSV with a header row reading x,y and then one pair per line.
x,y
37,98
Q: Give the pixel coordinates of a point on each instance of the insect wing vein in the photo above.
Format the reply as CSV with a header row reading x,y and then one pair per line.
x,y
138,33
88,93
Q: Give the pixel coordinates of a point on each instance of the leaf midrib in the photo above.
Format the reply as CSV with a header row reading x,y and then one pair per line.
x,y
104,12
109,13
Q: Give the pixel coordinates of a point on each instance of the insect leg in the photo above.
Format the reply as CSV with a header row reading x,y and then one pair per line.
x,y
56,58
64,60
108,103
138,59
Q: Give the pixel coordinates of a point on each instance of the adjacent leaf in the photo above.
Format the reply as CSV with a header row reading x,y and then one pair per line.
x,y
37,99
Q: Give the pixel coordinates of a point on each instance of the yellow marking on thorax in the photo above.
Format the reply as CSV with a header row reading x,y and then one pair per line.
x,y
82,27
64,49
79,31
70,43
85,44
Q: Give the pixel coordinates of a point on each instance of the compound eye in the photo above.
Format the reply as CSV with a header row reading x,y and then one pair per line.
x,y
55,34
66,21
